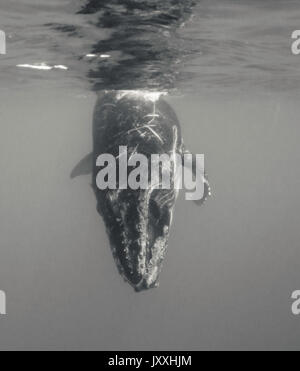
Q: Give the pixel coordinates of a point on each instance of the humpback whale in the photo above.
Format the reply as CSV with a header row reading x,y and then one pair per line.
x,y
138,221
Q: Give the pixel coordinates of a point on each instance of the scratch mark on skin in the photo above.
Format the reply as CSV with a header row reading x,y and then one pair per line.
x,y
134,152
153,115
155,133
149,125
109,105
167,198
144,127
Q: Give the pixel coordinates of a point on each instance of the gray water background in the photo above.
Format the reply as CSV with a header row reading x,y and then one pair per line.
x,y
231,265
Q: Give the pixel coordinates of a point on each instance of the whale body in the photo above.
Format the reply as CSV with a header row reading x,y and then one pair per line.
x,y
138,221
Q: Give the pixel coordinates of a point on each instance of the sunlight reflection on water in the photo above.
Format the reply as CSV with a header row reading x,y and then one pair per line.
x,y
224,45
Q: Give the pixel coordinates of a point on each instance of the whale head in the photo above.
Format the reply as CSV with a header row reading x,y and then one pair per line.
x,y
138,224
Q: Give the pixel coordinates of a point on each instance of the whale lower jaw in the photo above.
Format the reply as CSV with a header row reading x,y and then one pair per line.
x,y
144,285
148,270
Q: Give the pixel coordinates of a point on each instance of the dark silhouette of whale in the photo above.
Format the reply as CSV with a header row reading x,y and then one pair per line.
x,y
137,221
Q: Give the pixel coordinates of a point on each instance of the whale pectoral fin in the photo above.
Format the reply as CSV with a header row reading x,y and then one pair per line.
x,y
84,167
193,167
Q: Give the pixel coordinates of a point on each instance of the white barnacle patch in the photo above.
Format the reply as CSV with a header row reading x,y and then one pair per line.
x,y
158,255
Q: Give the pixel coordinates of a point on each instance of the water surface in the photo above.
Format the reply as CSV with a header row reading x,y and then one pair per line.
x,y
195,46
